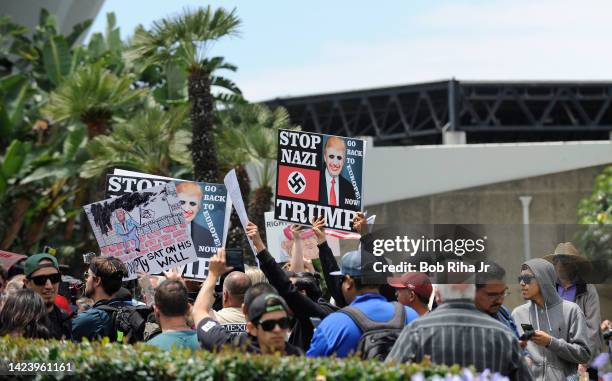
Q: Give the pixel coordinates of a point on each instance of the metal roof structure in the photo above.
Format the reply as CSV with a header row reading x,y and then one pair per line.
x,y
487,111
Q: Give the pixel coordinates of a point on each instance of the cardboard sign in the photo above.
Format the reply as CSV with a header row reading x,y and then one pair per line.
x,y
319,175
8,259
205,209
145,229
233,190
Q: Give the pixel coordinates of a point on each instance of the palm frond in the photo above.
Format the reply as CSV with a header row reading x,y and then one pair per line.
x,y
150,141
186,37
91,88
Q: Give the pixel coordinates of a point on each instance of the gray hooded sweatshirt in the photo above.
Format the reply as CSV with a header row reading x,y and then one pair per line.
x,y
561,319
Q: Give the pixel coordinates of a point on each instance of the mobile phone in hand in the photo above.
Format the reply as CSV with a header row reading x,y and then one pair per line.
x,y
528,332
234,258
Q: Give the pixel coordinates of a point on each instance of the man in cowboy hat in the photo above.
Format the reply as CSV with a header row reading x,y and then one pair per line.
x,y
570,265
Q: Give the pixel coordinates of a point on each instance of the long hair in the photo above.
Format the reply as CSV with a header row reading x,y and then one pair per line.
x,y
24,313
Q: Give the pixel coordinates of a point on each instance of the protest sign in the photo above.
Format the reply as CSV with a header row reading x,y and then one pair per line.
x,y
205,208
233,190
145,229
280,240
8,259
319,175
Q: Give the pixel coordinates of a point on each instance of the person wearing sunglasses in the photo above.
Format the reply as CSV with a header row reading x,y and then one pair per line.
x,y
267,319
42,276
268,326
557,333
103,281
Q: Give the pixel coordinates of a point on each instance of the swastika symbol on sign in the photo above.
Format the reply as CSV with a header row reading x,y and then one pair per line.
x,y
296,182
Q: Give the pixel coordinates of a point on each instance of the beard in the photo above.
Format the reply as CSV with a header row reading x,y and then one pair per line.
x,y
88,291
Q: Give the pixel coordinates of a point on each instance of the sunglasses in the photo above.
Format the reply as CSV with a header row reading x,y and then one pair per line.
x,y
268,325
526,278
41,280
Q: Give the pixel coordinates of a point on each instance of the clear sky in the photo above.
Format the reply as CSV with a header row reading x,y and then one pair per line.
x,y
290,48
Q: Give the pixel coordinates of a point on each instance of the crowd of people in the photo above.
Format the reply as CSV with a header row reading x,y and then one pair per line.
x,y
269,309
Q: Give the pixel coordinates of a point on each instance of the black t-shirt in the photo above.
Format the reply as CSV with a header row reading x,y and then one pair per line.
x,y
213,336
61,324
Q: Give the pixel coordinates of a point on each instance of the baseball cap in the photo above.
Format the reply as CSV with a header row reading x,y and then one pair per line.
x,y
417,282
33,263
266,303
350,264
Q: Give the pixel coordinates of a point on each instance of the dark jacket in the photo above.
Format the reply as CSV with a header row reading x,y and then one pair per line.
x,y
345,190
302,306
61,324
94,323
333,282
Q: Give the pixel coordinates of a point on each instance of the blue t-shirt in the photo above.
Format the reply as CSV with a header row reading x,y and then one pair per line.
x,y
179,339
339,334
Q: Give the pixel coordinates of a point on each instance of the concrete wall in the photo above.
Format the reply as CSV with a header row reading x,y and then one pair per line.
x,y
555,199
425,170
68,12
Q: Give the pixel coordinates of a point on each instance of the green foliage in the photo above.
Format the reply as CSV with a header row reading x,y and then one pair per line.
x,y
175,46
106,361
56,58
248,133
150,142
597,208
185,38
595,212
90,93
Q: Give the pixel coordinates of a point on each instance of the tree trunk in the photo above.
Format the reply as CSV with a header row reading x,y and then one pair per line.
x,y
35,229
19,210
203,150
262,203
96,121
79,197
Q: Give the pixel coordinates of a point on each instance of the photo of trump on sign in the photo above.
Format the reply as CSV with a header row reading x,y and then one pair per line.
x,y
335,190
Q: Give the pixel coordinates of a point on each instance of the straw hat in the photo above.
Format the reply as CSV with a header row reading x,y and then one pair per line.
x,y
568,253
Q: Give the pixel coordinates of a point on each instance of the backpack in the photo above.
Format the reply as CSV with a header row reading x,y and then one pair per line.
x,y
128,321
377,338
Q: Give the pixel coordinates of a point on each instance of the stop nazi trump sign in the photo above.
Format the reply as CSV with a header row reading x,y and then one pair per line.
x,y
319,175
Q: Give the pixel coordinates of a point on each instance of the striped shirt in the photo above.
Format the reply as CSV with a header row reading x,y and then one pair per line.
x,y
457,333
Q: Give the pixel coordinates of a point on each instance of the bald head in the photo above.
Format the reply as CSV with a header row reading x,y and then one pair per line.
x,y
234,287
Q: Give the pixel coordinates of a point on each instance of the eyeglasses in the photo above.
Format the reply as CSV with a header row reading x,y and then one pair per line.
x,y
268,325
526,279
41,280
494,297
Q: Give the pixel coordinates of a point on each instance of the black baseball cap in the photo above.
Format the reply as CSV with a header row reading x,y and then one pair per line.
x,y
266,303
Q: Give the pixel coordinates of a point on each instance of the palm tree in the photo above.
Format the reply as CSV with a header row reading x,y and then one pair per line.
x,y
185,41
150,142
91,95
250,133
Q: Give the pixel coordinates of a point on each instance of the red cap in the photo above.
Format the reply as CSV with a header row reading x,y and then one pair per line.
x,y
417,282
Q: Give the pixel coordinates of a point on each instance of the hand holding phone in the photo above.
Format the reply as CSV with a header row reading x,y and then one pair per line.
x,y
528,332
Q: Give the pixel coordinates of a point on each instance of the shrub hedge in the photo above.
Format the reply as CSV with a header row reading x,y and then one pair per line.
x,y
102,360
